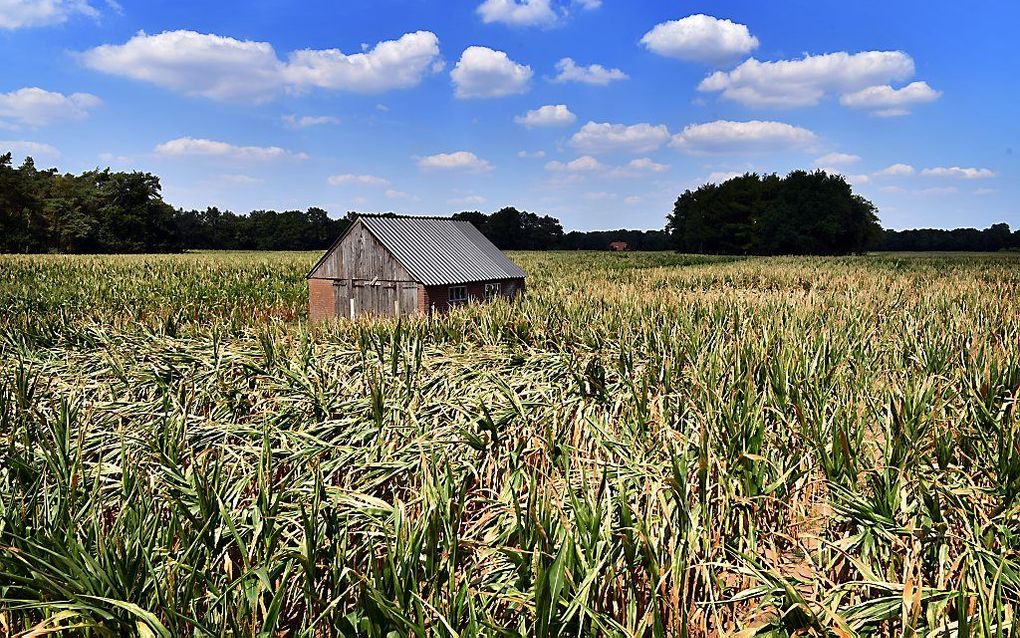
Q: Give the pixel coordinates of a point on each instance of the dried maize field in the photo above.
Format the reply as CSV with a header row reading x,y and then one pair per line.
x,y
644,445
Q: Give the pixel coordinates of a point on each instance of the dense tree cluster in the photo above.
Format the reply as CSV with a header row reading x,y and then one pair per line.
x,y
97,211
512,229
101,211
800,214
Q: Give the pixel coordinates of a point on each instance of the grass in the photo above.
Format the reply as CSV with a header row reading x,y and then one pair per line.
x,y
647,444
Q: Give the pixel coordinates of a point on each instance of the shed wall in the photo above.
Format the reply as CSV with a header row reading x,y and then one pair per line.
x,y
437,298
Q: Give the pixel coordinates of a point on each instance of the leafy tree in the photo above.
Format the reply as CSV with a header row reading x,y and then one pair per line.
x,y
22,192
97,211
802,213
511,229
133,216
475,217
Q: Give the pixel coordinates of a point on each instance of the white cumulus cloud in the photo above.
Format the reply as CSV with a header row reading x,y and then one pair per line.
x,y
23,147
718,177
700,38
548,115
395,194
958,173
604,137
467,200
885,101
833,159
225,68
895,170
583,164
646,164
482,72
636,169
804,82
531,13
37,107
200,147
240,178
393,64
17,14
305,121
458,160
596,74
363,180
519,13
193,63
726,137
586,164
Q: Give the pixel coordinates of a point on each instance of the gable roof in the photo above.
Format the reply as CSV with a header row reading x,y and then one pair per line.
x,y
438,251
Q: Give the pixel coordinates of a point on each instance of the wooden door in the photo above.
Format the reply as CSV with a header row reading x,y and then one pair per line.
x,y
376,298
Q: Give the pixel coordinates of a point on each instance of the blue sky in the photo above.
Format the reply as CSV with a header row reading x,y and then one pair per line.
x,y
597,112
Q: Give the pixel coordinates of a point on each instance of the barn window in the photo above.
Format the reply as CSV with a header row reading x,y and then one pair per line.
x,y
491,290
458,294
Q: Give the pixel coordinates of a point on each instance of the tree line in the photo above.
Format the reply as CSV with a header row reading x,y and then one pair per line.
x,y
102,211
994,238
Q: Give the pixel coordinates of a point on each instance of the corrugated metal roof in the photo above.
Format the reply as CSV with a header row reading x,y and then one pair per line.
x,y
439,251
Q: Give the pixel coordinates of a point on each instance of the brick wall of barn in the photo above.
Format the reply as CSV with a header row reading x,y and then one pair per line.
x,y
437,297
321,300
423,299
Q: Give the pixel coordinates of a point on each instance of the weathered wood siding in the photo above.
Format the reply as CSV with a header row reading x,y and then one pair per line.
x,y
380,299
360,268
360,256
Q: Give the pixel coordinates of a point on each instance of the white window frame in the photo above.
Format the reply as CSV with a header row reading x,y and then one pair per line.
x,y
492,290
452,295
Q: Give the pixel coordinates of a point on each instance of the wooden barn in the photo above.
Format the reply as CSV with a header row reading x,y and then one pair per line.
x,y
388,266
